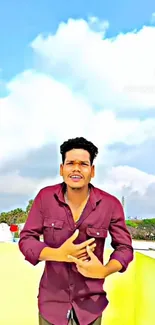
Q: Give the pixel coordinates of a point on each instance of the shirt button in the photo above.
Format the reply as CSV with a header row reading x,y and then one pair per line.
x,y
97,233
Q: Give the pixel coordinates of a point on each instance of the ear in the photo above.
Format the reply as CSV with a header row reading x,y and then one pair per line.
x,y
61,170
92,171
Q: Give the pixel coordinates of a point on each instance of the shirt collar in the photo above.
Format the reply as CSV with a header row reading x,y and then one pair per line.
x,y
95,194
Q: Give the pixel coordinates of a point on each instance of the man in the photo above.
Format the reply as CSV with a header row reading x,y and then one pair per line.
x,y
14,229
74,218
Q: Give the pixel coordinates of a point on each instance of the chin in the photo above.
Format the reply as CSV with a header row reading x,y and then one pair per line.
x,y
75,186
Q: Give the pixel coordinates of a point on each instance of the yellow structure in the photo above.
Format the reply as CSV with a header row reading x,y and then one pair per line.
x,y
131,294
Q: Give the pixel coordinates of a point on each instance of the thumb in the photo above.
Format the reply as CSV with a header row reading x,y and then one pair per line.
x,y
75,235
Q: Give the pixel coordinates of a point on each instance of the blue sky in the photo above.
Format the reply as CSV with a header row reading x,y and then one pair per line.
x,y
21,21
56,65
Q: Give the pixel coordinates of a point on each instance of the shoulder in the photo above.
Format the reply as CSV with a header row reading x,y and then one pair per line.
x,y
49,190
112,199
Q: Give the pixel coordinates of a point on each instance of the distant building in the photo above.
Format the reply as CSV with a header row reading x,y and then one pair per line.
x,y
123,204
123,201
5,233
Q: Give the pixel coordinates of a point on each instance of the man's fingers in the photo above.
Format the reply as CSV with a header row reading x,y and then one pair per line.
x,y
85,243
81,255
85,254
89,252
81,252
84,251
85,259
75,260
92,247
74,236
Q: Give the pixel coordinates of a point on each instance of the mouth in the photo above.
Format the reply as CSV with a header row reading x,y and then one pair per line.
x,y
76,177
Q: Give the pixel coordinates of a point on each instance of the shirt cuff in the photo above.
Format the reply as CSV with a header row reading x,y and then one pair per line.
x,y
118,256
33,253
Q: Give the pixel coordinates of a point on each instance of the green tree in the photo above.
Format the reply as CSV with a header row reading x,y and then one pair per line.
x,y
3,216
29,206
13,216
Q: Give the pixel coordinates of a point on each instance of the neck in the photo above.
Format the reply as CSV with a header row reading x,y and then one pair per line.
x,y
77,196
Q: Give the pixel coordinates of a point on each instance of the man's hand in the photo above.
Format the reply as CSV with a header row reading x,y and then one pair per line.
x,y
91,268
78,251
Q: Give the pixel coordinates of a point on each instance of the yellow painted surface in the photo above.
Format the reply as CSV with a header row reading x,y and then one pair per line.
x,y
131,294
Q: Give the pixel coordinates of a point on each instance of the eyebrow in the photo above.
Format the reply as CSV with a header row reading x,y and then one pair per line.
x,y
82,161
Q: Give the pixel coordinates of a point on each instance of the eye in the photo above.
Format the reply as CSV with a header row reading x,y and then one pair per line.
x,y
85,164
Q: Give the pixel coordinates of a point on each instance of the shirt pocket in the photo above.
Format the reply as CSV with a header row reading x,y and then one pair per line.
x,y
52,232
100,233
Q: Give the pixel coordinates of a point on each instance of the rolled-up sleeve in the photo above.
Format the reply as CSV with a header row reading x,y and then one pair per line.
x,y
29,242
121,238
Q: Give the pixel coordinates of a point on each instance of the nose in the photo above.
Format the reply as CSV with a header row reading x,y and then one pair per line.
x,y
76,167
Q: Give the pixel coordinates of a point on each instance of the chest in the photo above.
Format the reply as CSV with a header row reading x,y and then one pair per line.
x,y
60,224
76,212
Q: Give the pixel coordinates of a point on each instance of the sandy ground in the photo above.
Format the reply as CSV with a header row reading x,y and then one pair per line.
x,y
131,294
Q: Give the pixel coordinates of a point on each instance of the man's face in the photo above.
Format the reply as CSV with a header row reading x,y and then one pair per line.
x,y
77,170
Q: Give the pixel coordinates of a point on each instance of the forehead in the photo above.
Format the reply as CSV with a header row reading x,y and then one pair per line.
x,y
78,154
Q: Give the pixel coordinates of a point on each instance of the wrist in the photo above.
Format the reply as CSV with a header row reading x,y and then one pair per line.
x,y
56,255
111,267
50,254
104,272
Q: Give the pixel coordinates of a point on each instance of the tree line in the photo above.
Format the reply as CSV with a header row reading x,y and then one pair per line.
x,y
16,216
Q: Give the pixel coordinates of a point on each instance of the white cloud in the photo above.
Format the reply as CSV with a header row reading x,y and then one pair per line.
x,y
98,25
116,73
136,186
121,177
40,109
13,183
81,70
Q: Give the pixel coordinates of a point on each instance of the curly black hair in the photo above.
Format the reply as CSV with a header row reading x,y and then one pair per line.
x,y
79,143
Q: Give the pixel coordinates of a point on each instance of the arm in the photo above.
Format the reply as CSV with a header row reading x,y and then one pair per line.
x,y
121,242
29,243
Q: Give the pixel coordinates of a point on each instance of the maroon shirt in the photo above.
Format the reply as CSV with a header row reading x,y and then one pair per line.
x,y
62,287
